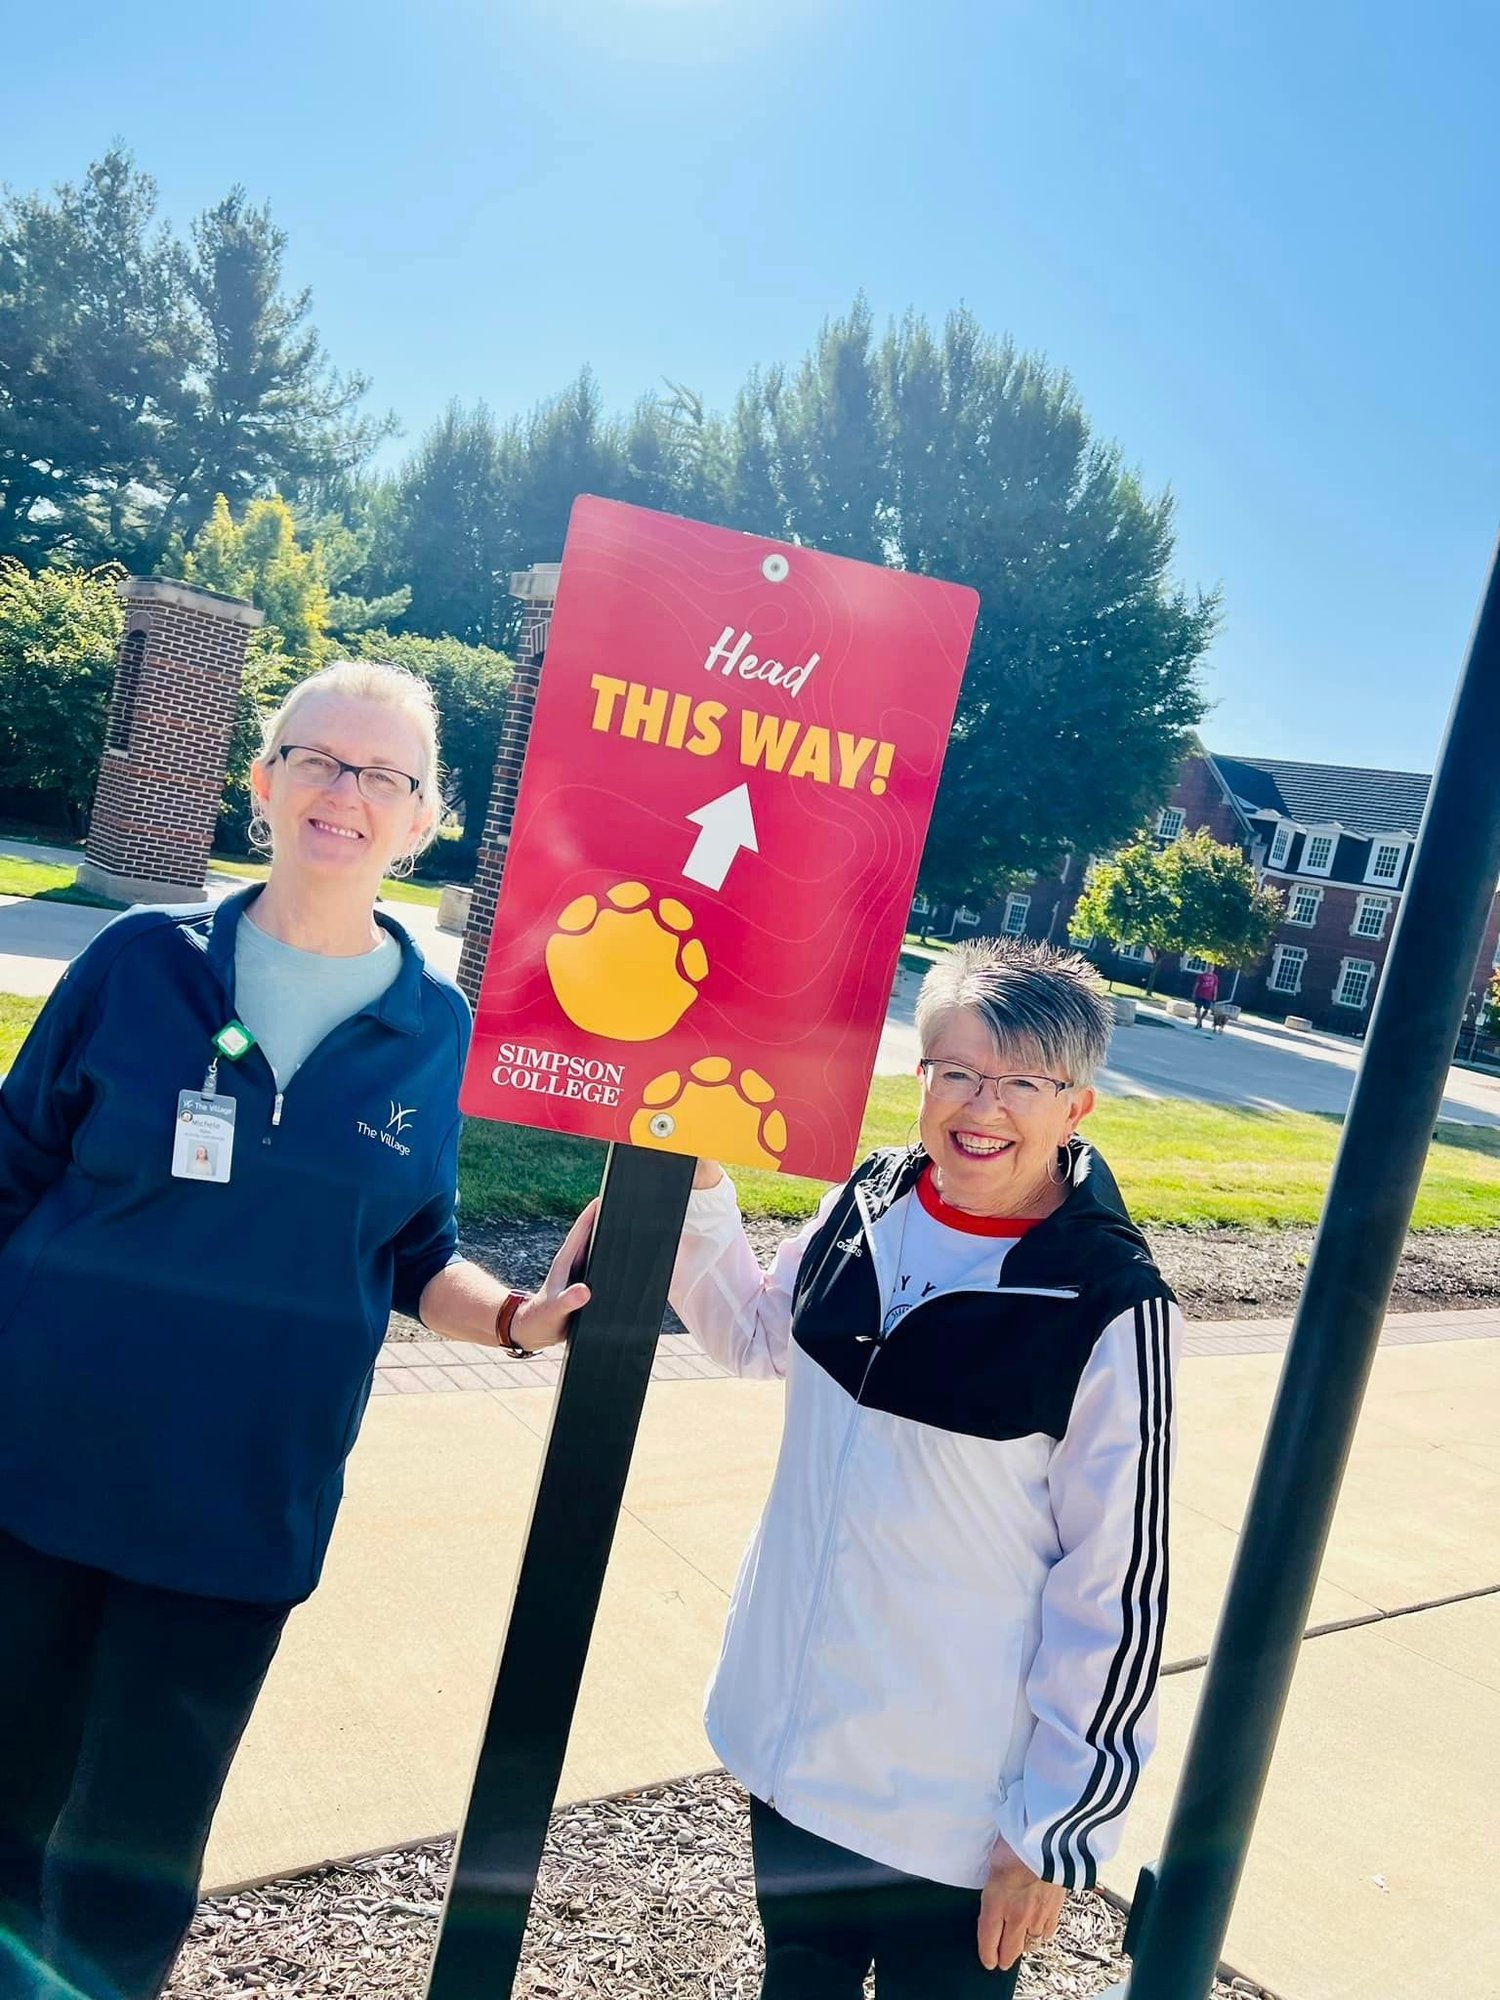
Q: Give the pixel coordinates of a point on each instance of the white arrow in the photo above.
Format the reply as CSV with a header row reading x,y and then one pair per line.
x,y
728,825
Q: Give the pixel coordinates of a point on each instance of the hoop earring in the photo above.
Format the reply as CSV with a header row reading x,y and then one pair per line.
x,y
401,867
1064,1168
258,832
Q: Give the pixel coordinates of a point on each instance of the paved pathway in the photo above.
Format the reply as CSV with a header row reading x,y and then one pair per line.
x,y
1253,1063
443,1367
1256,1064
38,939
1381,1804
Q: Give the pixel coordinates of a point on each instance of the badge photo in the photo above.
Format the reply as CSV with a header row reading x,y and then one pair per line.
x,y
203,1137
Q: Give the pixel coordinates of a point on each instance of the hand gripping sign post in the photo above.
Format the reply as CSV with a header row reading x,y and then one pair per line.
x,y
730,774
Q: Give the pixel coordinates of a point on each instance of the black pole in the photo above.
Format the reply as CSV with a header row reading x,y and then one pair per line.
x,y
1183,1904
577,1503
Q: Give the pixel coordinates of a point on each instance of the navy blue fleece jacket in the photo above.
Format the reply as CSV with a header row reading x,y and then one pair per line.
x,y
184,1365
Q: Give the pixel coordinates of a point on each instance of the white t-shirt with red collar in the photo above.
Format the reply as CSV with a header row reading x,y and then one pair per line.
x,y
945,1249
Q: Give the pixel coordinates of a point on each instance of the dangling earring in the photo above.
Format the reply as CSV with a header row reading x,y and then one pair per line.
x,y
1061,1171
258,832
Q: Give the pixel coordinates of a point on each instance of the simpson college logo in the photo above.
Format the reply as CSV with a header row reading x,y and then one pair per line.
x,y
389,1134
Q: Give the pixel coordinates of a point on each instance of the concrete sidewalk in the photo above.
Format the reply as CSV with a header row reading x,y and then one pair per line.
x,y
1382,1800
37,939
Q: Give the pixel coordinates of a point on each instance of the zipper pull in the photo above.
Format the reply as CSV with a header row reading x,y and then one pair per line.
x,y
276,1109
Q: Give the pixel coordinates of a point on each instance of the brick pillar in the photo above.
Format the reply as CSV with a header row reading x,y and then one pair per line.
x,y
537,587
177,679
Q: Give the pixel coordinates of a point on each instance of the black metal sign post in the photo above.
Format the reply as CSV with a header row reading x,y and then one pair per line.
x,y
573,1516
1183,1904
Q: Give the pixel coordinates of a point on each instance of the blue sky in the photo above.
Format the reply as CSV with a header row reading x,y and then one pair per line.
x,y
1259,236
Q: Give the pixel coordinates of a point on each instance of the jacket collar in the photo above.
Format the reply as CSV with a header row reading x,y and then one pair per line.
x,y
1092,1187
399,1007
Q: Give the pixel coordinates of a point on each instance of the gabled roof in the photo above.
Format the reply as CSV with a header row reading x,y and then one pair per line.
x,y
1365,802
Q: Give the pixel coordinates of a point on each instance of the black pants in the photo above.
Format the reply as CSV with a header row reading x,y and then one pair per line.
x,y
829,1915
120,1711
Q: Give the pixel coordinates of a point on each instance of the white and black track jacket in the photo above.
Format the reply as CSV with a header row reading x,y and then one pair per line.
x,y
948,1624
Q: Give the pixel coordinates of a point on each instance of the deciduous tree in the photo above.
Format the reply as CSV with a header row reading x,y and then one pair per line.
x,y
59,631
1222,913
1197,897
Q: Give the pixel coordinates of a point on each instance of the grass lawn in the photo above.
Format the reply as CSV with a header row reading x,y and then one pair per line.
x,y
48,882
17,1012
391,891
1179,1163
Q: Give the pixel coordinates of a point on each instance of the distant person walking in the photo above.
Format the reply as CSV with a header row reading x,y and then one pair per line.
x,y
227,1147
1205,994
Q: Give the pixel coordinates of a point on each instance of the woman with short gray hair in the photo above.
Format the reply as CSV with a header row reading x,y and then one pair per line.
x,y
938,1676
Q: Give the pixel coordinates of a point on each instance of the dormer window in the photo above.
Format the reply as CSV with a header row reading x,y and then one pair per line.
x,y
1281,846
1386,857
1169,823
1318,852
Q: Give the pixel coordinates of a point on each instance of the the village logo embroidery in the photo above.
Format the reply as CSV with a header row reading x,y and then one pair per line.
x,y
400,1118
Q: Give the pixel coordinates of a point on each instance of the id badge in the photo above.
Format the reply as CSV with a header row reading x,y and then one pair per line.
x,y
203,1140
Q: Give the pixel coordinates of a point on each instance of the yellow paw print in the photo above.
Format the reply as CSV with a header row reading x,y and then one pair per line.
x,y
711,1115
623,970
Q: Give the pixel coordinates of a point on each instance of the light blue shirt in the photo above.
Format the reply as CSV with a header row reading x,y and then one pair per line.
x,y
290,999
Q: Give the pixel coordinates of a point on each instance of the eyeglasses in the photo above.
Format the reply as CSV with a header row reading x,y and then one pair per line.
x,y
956,1083
377,782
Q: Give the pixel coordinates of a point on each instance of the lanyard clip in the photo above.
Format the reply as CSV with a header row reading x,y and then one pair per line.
x,y
211,1079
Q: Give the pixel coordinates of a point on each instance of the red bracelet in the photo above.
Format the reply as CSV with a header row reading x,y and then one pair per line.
x,y
510,1306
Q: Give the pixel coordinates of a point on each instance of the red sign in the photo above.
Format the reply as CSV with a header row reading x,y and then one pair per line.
x,y
730,773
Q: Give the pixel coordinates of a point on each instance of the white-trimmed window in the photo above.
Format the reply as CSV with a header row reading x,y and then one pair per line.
x,y
1193,963
1130,951
964,915
1317,853
1304,904
1385,861
1170,822
1370,917
1281,846
1017,909
1286,968
1356,978
920,907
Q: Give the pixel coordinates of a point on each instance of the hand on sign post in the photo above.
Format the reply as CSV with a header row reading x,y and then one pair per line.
x,y
1017,1911
707,1174
543,1320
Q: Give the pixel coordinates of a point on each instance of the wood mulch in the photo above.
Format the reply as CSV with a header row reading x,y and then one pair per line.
x,y
645,1897
1217,1273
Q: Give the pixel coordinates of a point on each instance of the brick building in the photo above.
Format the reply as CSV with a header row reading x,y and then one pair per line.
x,y
1335,840
166,743
537,589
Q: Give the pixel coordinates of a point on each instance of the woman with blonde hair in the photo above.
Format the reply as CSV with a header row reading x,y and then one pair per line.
x,y
227,1149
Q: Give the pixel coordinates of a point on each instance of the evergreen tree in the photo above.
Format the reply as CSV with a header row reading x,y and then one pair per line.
x,y
93,335
140,376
